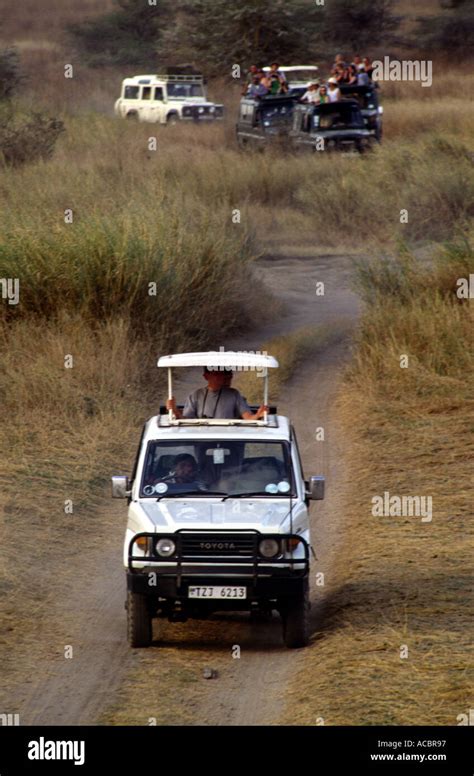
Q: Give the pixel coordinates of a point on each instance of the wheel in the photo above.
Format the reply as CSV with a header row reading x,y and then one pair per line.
x,y
138,620
295,621
172,119
132,116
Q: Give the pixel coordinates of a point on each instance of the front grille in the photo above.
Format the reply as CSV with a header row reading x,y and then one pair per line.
x,y
223,545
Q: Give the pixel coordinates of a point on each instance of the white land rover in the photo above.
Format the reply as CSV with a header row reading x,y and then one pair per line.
x,y
218,516
166,99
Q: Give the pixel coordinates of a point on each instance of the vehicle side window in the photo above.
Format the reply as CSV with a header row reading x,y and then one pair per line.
x,y
246,112
131,92
146,93
158,93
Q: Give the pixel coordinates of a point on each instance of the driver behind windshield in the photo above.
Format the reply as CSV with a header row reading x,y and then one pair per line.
x,y
184,470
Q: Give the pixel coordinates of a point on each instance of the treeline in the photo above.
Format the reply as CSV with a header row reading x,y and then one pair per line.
x,y
215,34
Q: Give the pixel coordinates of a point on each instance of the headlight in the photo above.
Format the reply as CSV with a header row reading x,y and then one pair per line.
x,y
269,548
165,547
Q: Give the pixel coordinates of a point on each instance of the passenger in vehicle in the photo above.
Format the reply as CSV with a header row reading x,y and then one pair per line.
x,y
362,78
368,67
340,74
274,70
339,60
217,400
323,96
352,75
311,95
334,93
257,88
185,469
251,73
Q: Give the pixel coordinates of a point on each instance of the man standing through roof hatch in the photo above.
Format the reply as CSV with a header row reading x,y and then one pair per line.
x,y
217,400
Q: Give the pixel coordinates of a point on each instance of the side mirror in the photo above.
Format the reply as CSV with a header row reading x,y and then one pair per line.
x,y
316,488
120,487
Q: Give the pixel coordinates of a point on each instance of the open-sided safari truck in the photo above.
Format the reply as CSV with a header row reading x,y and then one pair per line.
x,y
233,533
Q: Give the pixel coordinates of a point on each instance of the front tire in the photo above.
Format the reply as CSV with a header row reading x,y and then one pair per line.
x,y
295,622
139,621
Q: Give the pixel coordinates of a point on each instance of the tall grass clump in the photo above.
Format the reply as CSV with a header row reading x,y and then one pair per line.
x,y
177,277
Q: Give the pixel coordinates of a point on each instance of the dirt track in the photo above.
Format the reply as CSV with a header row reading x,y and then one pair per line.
x,y
87,609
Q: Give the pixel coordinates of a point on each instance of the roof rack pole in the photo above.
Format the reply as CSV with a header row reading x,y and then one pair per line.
x,y
170,392
265,393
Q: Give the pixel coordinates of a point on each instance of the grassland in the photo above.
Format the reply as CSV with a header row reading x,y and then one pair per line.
x,y
394,646
165,217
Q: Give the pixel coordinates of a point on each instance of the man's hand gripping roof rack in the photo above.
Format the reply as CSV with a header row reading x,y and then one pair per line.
x,y
237,361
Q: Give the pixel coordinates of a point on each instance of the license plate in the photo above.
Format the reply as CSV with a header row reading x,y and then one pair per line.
x,y
217,591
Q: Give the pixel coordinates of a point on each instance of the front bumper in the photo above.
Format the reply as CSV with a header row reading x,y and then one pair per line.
x,y
194,114
263,577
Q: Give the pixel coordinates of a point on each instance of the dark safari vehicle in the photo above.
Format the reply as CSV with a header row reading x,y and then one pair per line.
x,y
369,103
264,120
337,126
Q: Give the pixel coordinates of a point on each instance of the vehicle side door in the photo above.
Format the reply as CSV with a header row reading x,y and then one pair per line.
x,y
157,105
145,109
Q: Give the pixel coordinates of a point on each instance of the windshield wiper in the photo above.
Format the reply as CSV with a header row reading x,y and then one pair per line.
x,y
185,493
248,495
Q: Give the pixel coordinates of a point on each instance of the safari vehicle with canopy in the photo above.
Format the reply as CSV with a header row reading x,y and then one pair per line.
x,y
368,100
336,126
233,534
264,120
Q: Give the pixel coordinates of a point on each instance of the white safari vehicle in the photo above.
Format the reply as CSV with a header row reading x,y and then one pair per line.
x,y
166,99
231,535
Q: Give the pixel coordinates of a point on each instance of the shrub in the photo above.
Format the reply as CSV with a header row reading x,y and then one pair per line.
x,y
29,139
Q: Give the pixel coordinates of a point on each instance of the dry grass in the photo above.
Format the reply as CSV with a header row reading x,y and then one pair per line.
x,y
397,580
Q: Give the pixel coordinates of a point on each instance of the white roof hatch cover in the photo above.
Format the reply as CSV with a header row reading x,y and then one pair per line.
x,y
229,358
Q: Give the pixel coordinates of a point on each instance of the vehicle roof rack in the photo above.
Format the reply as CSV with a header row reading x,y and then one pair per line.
x,y
272,409
181,77
166,421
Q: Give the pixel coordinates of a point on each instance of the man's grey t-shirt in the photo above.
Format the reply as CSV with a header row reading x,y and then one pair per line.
x,y
224,403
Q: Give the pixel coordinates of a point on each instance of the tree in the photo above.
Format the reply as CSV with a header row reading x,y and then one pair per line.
x,y
220,33
126,36
10,76
359,25
451,31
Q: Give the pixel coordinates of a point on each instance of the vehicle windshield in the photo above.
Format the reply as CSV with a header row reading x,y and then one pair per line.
x,y
276,114
184,91
226,468
338,116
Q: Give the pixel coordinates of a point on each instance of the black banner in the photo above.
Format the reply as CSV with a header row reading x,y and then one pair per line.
x,y
366,750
